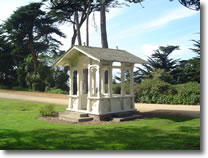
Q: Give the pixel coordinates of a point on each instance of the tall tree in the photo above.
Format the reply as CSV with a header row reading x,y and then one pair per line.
x,y
158,60
191,4
76,17
31,25
65,10
87,23
189,70
74,12
7,61
104,40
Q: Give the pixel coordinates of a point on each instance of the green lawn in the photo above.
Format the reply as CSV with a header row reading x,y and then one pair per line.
x,y
21,129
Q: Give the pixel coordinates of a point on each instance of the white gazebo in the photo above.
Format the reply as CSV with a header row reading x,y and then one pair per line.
x,y
91,79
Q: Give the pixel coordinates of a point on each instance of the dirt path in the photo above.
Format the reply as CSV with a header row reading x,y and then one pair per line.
x,y
183,110
59,99
62,99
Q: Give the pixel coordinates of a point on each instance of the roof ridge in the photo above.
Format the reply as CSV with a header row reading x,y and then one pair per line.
x,y
99,47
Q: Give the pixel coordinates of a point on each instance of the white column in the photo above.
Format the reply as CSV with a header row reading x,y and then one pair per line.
x,y
89,86
71,89
99,82
78,83
132,80
132,85
89,82
110,80
71,81
122,80
103,81
78,88
94,81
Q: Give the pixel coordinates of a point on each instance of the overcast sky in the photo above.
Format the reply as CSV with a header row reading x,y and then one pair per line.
x,y
135,29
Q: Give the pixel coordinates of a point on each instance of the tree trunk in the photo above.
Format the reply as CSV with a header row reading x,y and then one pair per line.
x,y
87,24
74,35
104,39
78,28
34,55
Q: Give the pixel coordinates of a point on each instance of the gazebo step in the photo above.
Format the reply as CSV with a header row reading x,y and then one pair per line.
x,y
127,118
124,114
74,114
73,118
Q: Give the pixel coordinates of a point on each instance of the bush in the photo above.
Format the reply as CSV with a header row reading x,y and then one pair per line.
x,y
189,93
116,88
56,91
4,87
42,80
48,110
61,79
153,91
19,88
157,91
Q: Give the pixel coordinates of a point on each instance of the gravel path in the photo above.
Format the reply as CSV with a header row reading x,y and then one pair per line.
x,y
61,99
183,110
58,99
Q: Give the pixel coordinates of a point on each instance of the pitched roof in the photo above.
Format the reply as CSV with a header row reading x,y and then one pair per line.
x,y
103,54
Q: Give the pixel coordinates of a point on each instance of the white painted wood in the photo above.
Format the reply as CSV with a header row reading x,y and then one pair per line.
x,y
116,67
99,81
78,89
110,80
89,78
94,81
122,80
103,81
89,84
132,80
98,102
71,81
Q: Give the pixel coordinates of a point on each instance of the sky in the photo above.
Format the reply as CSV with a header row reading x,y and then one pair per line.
x,y
139,30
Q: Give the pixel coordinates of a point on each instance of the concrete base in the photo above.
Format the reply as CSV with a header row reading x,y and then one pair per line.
x,y
127,118
74,116
82,117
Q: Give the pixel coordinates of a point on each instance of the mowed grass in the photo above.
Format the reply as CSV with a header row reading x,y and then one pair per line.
x,y
20,129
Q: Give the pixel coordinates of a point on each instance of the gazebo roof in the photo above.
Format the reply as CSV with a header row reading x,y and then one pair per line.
x,y
100,54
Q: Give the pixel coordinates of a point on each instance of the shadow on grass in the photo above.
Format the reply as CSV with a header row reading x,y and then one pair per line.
x,y
116,138
176,115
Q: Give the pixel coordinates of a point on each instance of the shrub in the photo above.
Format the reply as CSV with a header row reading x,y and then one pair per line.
x,y
48,110
56,91
153,91
157,91
189,93
61,79
4,87
116,88
19,88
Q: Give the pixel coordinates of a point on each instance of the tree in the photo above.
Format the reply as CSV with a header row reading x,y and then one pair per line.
x,y
72,11
189,70
31,27
104,40
158,60
65,11
191,4
7,61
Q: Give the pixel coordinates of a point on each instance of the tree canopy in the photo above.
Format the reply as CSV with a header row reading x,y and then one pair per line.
x,y
31,28
158,60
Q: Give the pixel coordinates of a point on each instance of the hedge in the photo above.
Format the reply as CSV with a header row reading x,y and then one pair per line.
x,y
157,91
